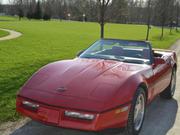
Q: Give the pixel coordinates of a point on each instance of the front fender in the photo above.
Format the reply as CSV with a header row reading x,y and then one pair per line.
x,y
127,91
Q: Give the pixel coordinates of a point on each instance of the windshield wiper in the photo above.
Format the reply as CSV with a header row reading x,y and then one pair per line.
x,y
90,57
134,61
104,57
121,60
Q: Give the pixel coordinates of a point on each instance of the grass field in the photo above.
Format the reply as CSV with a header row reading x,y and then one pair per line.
x,y
44,42
3,33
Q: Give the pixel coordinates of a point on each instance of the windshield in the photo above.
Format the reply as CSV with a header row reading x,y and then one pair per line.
x,y
120,50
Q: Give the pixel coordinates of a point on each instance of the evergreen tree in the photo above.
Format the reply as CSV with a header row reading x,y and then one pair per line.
x,y
38,12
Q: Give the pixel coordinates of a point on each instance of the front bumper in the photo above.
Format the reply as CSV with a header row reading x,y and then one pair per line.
x,y
55,116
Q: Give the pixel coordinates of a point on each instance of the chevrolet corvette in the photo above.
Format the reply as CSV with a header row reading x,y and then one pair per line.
x,y
108,85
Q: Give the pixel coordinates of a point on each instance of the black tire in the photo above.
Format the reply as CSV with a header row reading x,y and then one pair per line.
x,y
168,93
130,129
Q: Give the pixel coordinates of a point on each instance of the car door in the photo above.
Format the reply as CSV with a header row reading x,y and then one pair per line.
x,y
162,74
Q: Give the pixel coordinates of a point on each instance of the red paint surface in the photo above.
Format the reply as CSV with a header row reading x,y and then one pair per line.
x,y
92,86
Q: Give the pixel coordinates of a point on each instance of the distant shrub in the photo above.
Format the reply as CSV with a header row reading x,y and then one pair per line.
x,y
46,17
29,15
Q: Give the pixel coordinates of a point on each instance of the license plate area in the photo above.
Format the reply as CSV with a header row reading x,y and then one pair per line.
x,y
48,115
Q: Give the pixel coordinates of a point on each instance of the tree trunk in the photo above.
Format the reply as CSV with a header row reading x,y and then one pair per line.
x,y
102,30
103,7
162,32
176,27
147,35
177,17
148,20
102,21
171,27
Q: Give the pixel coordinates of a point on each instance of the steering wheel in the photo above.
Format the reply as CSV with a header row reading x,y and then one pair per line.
x,y
138,55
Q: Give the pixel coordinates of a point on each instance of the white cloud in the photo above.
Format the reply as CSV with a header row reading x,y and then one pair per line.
x,y
4,1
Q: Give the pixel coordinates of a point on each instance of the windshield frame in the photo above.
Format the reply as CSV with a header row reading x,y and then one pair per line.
x,y
151,60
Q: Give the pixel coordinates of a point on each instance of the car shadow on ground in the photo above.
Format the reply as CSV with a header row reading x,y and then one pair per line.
x,y
160,118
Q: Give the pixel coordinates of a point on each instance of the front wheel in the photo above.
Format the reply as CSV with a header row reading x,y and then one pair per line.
x,y
137,113
169,92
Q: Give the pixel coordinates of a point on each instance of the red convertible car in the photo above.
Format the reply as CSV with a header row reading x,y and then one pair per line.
x,y
107,85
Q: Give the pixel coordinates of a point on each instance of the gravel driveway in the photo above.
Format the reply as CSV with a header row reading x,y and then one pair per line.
x,y
162,118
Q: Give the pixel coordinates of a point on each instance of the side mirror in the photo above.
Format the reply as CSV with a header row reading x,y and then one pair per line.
x,y
79,53
159,61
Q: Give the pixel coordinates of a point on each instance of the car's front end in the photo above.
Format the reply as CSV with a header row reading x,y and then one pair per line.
x,y
72,118
92,92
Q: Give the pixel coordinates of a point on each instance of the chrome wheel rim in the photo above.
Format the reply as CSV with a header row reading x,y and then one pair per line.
x,y
173,83
139,112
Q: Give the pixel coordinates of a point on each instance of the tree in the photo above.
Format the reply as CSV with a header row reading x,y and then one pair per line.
x,y
135,11
155,12
20,13
59,9
117,11
90,10
30,9
65,9
163,14
139,7
47,10
38,12
1,9
20,9
171,15
103,4
177,14
148,19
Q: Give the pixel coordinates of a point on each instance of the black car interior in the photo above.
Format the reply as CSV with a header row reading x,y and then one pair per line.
x,y
134,53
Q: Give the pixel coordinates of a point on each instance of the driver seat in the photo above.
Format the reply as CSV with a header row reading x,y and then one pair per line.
x,y
146,53
117,51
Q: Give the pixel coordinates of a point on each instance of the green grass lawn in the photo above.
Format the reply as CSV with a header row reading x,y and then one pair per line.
x,y
3,33
45,42
8,18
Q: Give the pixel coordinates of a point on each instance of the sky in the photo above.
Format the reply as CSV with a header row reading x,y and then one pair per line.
x,y
4,1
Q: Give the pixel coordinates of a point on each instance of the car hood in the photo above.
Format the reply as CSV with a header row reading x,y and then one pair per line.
x,y
87,80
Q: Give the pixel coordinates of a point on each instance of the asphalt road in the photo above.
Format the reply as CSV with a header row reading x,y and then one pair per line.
x,y
162,118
